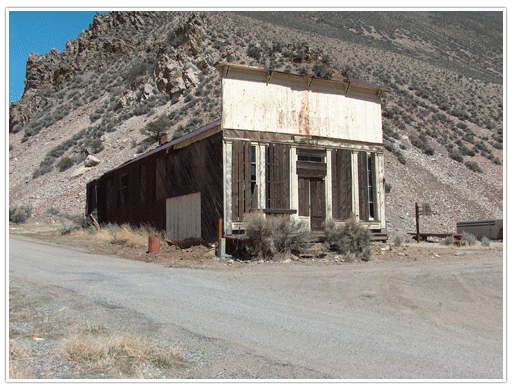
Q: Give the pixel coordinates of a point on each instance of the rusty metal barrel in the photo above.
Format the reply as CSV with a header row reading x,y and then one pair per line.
x,y
154,244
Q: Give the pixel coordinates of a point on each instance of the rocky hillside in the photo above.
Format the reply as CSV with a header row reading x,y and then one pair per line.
x,y
133,77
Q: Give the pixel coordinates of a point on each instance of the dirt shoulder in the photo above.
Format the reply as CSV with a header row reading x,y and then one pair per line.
x,y
48,228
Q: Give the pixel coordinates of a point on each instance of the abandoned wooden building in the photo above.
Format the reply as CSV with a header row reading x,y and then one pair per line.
x,y
285,144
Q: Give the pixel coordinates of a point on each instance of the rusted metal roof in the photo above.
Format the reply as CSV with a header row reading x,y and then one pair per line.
x,y
336,79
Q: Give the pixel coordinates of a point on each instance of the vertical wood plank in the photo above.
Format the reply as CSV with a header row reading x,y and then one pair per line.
x,y
235,179
286,176
374,187
241,190
345,191
227,167
363,186
335,184
247,177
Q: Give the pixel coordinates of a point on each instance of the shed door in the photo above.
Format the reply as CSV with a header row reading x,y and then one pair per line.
x,y
183,217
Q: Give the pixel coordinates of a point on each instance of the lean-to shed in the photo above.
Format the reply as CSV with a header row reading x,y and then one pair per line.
x,y
285,144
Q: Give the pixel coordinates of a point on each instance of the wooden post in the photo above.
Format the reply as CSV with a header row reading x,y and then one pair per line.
x,y
95,222
417,222
222,243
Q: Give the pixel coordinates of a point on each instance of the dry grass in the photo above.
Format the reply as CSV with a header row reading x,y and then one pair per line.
x,y
125,353
124,234
63,348
19,355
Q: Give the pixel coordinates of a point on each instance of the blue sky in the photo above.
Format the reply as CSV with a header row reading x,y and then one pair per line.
x,y
39,32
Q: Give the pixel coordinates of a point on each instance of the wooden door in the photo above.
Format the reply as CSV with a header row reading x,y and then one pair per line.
x,y
317,201
312,201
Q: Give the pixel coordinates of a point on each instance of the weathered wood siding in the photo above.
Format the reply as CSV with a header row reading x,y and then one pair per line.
x,y
241,180
278,176
289,104
196,168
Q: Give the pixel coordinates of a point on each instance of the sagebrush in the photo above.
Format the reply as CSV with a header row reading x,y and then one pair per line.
x,y
350,238
269,236
20,214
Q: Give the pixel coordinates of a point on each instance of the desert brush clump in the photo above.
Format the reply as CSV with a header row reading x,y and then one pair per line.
x,y
268,237
20,214
468,239
350,239
449,240
399,240
485,242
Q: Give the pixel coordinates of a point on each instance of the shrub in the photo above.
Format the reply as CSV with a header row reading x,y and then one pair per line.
x,y
485,242
44,167
65,163
16,128
94,116
288,235
67,227
135,73
19,214
53,211
399,240
448,241
254,52
321,71
473,166
455,155
468,239
422,143
267,237
158,128
349,238
95,145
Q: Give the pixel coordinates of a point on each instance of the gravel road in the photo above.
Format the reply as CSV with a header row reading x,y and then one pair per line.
x,y
422,319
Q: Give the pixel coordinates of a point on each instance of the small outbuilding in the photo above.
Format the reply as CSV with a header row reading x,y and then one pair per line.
x,y
285,144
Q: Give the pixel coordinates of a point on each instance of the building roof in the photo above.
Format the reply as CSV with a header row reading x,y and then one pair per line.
x,y
339,79
196,134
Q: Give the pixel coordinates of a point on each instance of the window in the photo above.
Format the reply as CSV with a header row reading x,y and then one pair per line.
x,y
253,177
370,175
367,186
310,157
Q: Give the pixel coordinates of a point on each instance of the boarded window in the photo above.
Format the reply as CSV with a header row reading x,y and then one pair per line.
x,y
278,176
245,192
143,183
341,184
110,195
123,190
367,186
